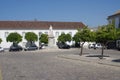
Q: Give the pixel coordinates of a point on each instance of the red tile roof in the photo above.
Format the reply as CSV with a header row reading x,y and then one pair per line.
x,y
39,25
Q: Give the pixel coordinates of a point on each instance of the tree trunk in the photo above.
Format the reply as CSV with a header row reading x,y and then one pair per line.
x,y
81,52
102,51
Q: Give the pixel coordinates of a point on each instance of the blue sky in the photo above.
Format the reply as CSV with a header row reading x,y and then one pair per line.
x,y
90,12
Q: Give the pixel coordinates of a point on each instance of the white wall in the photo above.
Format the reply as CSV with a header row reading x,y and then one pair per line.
x,y
117,22
6,44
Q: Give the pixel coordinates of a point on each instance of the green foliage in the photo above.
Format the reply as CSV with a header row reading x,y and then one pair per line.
x,y
68,37
76,37
106,33
0,40
44,38
61,38
64,38
31,37
118,33
14,37
93,36
85,34
101,35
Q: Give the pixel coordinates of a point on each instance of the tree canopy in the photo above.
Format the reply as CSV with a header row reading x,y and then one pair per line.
x,y
68,37
118,33
31,37
44,38
0,40
76,37
14,37
105,34
61,38
64,38
85,34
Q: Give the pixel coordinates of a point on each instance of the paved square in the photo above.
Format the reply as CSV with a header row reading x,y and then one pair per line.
x,y
46,65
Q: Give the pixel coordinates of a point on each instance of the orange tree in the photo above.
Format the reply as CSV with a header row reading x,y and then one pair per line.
x,y
85,35
105,34
76,38
64,38
118,33
44,38
14,37
31,37
0,40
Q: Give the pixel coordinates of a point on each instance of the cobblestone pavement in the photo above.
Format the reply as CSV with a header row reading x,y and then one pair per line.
x,y
45,65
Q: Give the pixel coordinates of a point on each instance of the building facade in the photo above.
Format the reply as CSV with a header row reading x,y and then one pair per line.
x,y
38,27
116,18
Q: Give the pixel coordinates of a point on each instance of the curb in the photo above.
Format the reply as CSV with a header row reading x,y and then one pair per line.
x,y
54,50
89,60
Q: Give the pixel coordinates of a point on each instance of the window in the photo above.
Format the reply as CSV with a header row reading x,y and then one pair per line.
x,y
6,34
23,34
57,34
46,33
70,33
62,33
119,23
40,33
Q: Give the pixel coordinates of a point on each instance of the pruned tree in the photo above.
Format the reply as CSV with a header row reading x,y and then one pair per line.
x,y
0,40
106,34
86,35
118,33
14,37
61,38
31,37
76,38
68,37
44,38
64,38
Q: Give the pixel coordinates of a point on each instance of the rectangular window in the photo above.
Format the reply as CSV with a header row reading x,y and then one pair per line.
x,y
46,33
119,23
57,34
40,33
6,34
23,34
62,32
70,33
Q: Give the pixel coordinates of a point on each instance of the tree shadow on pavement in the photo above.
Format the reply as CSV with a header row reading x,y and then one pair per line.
x,y
116,60
82,54
97,56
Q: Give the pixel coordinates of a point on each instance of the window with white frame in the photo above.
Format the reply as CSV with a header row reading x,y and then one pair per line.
x,y
46,33
23,34
62,32
56,34
70,33
6,34
40,33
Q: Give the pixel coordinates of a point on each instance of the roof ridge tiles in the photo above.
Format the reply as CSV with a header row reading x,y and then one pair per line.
x,y
39,25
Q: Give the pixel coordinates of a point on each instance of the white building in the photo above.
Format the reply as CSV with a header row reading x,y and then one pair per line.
x,y
37,27
115,17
